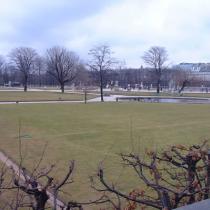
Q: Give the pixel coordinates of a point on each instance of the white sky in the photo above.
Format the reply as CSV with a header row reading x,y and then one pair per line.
x,y
129,27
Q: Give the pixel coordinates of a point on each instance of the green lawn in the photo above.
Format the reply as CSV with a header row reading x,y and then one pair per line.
x,y
98,132
40,95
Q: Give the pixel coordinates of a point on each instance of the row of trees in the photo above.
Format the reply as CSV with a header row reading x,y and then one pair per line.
x,y
59,66
168,179
61,63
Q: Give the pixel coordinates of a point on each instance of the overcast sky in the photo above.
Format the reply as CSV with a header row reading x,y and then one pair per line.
x,y
129,27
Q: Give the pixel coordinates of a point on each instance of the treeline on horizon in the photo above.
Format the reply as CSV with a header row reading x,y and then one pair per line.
x,y
59,67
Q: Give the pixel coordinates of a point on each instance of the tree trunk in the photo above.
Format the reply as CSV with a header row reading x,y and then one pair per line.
x,y
102,94
40,83
55,199
85,93
25,82
207,193
158,72
158,86
191,177
166,201
41,199
25,87
62,88
183,86
101,86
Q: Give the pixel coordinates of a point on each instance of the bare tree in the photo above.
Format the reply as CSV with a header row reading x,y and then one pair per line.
x,y
182,79
172,178
32,189
40,193
101,61
156,58
23,58
62,64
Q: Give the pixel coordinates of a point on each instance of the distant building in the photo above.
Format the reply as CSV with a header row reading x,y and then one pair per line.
x,y
202,76
194,67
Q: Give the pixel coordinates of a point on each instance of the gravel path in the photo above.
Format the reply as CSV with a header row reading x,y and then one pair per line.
x,y
97,99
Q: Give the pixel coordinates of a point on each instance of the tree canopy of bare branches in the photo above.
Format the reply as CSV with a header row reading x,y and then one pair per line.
x,y
101,61
156,58
172,178
23,58
182,78
62,64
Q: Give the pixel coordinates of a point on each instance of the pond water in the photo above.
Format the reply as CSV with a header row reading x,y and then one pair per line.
x,y
177,100
186,100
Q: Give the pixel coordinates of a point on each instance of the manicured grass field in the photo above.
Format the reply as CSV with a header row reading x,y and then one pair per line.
x,y
40,95
98,132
